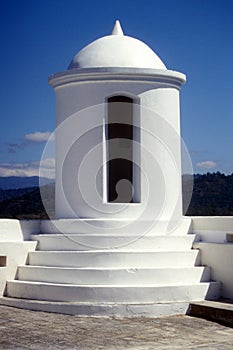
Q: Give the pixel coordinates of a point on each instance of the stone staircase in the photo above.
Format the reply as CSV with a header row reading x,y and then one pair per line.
x,y
111,275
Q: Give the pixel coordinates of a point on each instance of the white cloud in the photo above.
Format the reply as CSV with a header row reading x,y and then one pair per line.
x,y
48,163
38,136
45,168
208,164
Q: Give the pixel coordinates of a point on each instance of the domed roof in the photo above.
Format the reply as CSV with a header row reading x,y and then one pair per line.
x,y
117,50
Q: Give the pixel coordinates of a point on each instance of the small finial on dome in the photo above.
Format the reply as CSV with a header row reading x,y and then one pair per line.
x,y
117,30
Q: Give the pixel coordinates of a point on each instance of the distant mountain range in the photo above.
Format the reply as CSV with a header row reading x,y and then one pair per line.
x,y
16,182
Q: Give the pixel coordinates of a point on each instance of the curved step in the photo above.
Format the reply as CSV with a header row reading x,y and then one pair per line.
x,y
99,309
112,276
114,258
117,293
97,241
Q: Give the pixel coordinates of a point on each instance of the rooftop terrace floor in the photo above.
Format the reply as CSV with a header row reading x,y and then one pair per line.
x,y
23,329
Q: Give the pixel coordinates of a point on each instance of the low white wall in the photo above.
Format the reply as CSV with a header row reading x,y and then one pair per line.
x,y
215,251
212,228
16,254
219,256
18,230
15,245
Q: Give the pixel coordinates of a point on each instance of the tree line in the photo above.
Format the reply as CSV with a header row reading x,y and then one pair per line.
x,y
212,195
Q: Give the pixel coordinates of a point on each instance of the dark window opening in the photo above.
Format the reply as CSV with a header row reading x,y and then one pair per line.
x,y
120,149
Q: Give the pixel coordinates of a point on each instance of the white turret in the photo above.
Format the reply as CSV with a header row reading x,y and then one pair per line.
x,y
121,69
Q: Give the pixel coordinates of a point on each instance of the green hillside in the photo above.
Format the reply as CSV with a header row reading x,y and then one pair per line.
x,y
27,203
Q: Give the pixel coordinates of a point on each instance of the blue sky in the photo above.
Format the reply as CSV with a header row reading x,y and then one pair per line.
x,y
39,38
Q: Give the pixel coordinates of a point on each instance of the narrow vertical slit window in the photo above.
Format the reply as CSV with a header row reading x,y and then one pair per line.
x,y
120,134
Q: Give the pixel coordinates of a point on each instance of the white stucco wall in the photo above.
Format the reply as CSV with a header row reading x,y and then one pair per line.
x,y
16,254
81,113
215,251
18,230
219,256
212,228
15,245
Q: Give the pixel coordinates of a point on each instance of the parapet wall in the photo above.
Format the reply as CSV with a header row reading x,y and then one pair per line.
x,y
212,228
14,246
216,252
18,230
